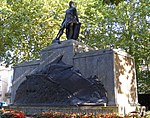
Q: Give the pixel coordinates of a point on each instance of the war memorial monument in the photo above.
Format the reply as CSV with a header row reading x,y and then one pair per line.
x,y
73,77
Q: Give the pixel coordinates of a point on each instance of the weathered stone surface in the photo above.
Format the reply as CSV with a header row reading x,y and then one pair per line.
x,y
30,110
125,81
67,48
101,64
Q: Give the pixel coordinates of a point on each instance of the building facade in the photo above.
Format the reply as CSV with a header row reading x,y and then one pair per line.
x,y
5,83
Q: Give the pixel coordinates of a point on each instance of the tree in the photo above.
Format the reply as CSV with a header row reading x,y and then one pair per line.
x,y
124,26
27,26
116,2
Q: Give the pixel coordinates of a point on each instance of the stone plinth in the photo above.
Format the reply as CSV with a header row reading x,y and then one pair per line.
x,y
30,110
115,69
67,48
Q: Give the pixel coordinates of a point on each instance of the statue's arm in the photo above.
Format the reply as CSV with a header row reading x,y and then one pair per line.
x,y
76,15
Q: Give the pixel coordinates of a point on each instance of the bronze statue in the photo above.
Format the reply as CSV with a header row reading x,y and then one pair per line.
x,y
71,23
58,83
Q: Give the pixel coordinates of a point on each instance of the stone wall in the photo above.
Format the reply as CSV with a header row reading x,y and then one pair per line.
x,y
19,75
101,64
125,81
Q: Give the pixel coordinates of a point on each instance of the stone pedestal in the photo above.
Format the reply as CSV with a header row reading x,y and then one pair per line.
x,y
30,110
114,68
67,48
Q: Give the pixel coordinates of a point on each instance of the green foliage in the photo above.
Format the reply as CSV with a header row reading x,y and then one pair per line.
x,y
27,26
116,2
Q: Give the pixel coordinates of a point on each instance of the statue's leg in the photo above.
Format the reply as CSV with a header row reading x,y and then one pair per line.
x,y
69,31
76,31
60,33
56,40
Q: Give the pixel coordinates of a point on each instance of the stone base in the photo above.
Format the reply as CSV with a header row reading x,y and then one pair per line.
x,y
114,68
30,110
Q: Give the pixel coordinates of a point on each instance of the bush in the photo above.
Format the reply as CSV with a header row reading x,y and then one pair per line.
x,y
12,114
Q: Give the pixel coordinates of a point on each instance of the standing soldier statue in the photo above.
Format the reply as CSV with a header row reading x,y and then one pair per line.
x,y
71,23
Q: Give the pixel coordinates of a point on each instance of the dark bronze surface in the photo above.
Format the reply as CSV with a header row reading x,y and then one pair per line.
x,y
71,23
59,84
